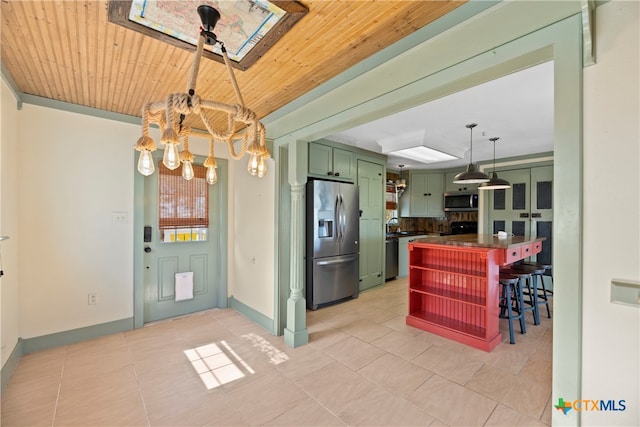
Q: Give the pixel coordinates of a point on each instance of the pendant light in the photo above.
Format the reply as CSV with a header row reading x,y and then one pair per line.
x,y
494,182
471,175
401,183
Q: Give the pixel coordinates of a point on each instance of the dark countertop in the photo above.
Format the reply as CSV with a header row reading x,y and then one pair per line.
x,y
397,235
478,241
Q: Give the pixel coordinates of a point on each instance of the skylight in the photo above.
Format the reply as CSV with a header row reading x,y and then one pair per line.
x,y
248,28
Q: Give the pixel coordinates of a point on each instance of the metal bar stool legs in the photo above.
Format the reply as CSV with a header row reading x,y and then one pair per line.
x,y
530,296
543,293
511,303
538,287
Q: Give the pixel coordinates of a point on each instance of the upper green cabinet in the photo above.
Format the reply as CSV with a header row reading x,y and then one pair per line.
x,y
450,187
331,162
426,195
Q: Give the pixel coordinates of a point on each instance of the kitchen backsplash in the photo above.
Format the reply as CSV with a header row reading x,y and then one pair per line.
x,y
436,225
429,225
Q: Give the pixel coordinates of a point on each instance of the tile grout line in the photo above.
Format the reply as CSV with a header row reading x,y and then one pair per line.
x,y
55,407
375,384
135,373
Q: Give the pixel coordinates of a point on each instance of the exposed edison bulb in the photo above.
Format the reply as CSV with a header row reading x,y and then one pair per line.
x,y
252,167
187,170
145,163
171,157
212,176
262,167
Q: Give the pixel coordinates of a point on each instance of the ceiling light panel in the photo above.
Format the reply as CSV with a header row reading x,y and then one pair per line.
x,y
422,154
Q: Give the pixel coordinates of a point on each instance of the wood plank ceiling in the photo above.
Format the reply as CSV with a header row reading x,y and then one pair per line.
x,y
68,51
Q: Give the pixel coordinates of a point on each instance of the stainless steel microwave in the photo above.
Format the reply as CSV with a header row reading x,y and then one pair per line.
x,y
460,201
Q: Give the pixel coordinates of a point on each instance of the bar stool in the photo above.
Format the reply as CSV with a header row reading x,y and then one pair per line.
x,y
547,268
530,303
538,283
511,303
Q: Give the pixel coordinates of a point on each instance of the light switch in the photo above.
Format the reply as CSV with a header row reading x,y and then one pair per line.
x,y
625,292
119,217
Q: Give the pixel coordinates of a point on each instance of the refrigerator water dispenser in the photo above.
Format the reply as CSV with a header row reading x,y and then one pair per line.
x,y
325,224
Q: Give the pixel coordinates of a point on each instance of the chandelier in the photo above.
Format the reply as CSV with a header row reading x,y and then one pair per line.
x,y
169,116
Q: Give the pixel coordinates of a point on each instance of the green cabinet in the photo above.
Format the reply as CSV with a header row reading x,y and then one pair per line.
x,y
403,254
426,195
372,239
331,162
450,187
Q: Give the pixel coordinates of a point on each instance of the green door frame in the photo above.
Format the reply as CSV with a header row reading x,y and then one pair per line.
x,y
522,34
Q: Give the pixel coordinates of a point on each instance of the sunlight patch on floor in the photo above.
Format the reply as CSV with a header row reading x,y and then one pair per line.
x,y
214,366
275,356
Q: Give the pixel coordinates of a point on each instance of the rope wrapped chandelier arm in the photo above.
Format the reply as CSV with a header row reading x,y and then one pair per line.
x,y
169,116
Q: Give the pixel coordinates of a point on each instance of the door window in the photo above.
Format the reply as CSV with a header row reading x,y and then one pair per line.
x,y
183,205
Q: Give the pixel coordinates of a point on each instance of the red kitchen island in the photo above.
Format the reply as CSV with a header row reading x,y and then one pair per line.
x,y
453,284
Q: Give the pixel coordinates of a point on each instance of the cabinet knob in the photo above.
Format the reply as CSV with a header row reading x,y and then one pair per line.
x,y
337,174
329,173
427,194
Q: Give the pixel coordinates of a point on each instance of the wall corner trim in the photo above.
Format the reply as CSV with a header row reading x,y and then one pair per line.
x,y
11,364
253,315
13,87
588,32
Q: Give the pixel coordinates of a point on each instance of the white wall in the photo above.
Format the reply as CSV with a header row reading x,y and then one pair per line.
x,y
253,238
9,324
611,332
74,171
251,221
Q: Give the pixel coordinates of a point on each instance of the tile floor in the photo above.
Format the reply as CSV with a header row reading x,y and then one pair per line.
x,y
362,366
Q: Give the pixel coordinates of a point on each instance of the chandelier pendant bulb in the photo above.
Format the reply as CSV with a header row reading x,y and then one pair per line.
x,y
252,132
145,145
470,175
211,165
186,158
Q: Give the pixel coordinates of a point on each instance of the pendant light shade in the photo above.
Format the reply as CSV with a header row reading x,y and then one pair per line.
x,y
494,182
401,183
470,175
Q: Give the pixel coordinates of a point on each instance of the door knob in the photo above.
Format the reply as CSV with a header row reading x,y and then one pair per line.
x,y
147,249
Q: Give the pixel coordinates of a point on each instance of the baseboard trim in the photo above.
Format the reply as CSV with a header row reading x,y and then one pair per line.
x,y
31,345
11,364
252,314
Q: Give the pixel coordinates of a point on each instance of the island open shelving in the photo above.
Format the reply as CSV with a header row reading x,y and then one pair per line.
x,y
453,285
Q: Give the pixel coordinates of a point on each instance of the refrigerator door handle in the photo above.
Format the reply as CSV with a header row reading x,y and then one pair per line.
x,y
337,218
340,218
343,219
335,261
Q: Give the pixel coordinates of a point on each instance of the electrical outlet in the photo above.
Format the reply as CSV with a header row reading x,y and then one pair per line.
x,y
93,298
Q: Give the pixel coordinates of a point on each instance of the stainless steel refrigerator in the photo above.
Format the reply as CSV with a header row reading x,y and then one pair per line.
x,y
333,230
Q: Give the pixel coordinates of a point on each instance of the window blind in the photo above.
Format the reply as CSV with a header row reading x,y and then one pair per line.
x,y
183,203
